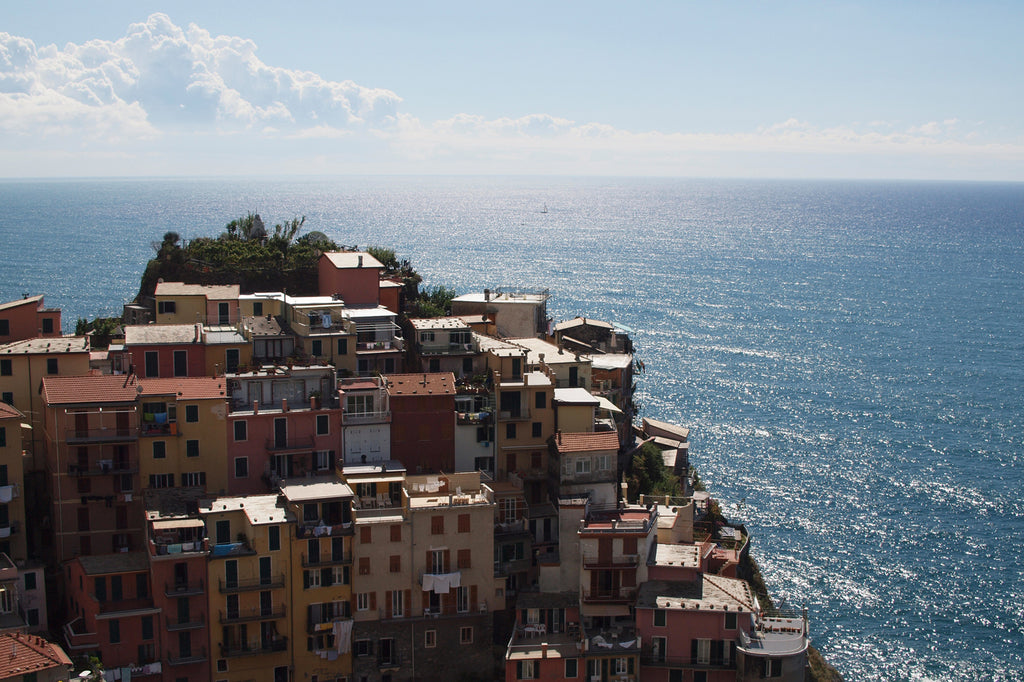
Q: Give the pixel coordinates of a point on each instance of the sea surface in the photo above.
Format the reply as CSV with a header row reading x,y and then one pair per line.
x,y
848,356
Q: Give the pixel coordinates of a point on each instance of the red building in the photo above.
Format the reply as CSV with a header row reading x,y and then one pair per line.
x,y
28,319
423,420
355,277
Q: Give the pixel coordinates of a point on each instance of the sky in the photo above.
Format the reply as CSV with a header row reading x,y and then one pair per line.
x,y
901,90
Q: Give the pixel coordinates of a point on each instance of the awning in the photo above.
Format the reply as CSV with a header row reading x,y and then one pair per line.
x,y
606,404
177,523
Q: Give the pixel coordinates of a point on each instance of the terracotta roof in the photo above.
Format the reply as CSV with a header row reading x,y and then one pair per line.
x,y
104,388
120,562
344,260
9,411
22,654
213,292
142,334
185,388
439,383
24,301
587,442
47,345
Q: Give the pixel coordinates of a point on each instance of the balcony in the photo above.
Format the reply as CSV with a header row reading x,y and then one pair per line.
x,y
77,636
314,627
620,596
154,429
591,562
656,659
271,582
326,559
253,648
231,549
272,612
322,529
354,418
193,588
101,435
298,444
453,611
125,606
194,623
104,467
520,415
187,658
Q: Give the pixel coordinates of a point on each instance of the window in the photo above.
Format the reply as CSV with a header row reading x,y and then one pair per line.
x,y
582,465
362,647
274,538
115,631
537,429
395,563
241,467
397,604
159,449
51,365
466,635
463,557
572,668
3,437
364,565
30,581
191,413
677,676
526,670
365,535
659,618
161,480
316,348
324,460
462,599
193,479
323,425
47,325
181,363
541,400
621,666
342,346
8,397
437,525
464,523
241,430
430,639
147,627
359,404
166,307
773,667
658,646
6,368
510,431
703,651
257,308
363,601
152,363
730,621
698,676
32,616
192,448
396,532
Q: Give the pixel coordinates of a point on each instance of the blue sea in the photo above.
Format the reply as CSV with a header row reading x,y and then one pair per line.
x,y
848,356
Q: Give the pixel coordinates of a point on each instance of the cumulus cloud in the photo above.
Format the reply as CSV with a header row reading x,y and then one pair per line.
x,y
161,77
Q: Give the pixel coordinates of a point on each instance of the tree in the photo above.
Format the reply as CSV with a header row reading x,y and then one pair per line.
x,y
649,476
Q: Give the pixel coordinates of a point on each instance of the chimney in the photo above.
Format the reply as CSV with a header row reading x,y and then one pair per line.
x,y
199,332
284,404
360,260
543,649
487,294
255,407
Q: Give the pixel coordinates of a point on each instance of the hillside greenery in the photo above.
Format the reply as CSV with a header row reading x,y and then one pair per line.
x,y
648,474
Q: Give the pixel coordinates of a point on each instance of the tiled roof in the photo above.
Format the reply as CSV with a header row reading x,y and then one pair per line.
x,y
22,654
47,345
581,322
439,383
120,562
185,388
351,260
146,334
9,411
587,442
213,292
31,300
105,388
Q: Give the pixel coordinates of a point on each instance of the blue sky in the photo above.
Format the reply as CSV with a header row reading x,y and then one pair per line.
x,y
817,89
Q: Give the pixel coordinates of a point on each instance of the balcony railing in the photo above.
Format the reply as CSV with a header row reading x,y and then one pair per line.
x,y
123,605
191,588
591,562
520,415
101,435
187,659
299,443
620,596
326,559
272,612
254,647
193,623
314,627
352,418
659,660
104,467
249,584
395,344
316,529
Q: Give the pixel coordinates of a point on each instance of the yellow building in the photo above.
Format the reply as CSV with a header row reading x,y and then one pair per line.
x,y
23,364
183,435
320,577
250,583
208,304
12,502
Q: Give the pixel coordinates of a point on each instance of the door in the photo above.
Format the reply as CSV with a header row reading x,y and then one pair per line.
x,y
183,610
81,425
265,578
223,313
123,424
181,363
231,573
223,532
231,360
180,575
280,433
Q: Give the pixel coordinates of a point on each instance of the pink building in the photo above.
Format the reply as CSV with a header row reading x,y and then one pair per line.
x,y
28,319
166,350
355,277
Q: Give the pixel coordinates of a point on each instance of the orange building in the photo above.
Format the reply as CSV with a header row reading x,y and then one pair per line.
x,y
355,277
28,319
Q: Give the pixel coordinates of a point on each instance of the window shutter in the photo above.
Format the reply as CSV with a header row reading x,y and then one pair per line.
x,y
426,600
388,598
472,598
447,560
373,601
330,460
407,603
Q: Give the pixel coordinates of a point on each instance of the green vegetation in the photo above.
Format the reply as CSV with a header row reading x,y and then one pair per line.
x,y
102,329
433,302
648,474
246,253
